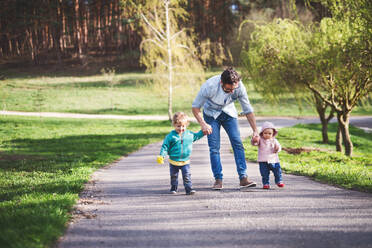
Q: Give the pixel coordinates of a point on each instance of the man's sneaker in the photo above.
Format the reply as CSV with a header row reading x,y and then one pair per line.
x,y
192,192
280,185
266,186
244,183
173,192
217,184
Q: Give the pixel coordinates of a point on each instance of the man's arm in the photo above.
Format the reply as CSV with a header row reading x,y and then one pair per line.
x,y
205,127
252,122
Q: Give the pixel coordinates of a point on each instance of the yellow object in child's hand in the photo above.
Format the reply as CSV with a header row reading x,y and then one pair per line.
x,y
160,160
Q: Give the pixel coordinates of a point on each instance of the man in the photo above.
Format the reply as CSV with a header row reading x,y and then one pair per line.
x,y
217,96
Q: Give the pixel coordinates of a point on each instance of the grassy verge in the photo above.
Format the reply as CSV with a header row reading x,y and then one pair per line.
x,y
44,163
321,161
130,95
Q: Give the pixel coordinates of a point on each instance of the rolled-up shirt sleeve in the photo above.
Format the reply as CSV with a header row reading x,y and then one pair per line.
x,y
244,101
201,98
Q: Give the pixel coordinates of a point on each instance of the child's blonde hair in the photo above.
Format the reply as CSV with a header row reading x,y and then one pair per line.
x,y
180,117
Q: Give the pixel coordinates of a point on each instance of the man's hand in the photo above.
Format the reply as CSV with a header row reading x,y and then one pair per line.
x,y
255,139
252,122
206,128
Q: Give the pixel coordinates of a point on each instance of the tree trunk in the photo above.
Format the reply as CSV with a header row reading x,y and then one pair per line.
x,y
31,44
57,34
321,112
63,31
85,16
321,108
339,139
78,31
119,27
10,46
99,30
170,66
343,121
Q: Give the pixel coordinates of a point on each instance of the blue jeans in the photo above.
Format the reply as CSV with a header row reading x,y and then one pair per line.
x,y
265,169
186,176
230,124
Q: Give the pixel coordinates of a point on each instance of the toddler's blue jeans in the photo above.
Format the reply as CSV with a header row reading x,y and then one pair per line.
x,y
265,169
230,124
186,176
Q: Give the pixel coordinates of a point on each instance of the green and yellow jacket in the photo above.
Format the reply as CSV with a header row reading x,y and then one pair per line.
x,y
178,147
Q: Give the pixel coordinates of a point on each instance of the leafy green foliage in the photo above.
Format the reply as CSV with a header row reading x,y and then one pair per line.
x,y
273,58
343,60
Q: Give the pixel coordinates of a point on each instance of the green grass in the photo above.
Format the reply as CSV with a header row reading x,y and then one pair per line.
x,y
324,163
132,95
44,163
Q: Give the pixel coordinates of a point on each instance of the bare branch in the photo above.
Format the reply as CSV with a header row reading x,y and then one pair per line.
x,y
162,62
317,92
153,41
158,22
186,47
174,36
152,27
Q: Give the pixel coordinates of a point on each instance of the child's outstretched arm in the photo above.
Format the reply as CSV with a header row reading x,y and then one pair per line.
x,y
163,151
198,135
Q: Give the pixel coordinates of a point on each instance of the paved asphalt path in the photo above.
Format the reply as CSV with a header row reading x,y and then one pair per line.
x,y
128,205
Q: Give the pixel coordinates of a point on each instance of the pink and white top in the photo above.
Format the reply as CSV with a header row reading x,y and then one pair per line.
x,y
266,150
266,147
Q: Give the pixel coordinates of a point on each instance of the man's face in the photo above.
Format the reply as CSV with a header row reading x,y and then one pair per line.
x,y
229,88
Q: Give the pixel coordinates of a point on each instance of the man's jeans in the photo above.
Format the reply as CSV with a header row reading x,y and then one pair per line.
x,y
230,124
186,175
265,169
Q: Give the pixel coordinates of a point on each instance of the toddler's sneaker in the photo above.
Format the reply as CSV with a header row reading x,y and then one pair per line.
x,y
191,192
266,186
173,190
280,185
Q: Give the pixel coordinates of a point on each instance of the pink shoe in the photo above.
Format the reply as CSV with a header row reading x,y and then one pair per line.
x,y
266,186
280,185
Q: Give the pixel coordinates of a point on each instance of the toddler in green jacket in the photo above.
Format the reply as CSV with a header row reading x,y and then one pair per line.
x,y
178,146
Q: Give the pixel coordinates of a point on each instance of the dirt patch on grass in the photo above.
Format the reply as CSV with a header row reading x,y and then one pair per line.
x,y
300,150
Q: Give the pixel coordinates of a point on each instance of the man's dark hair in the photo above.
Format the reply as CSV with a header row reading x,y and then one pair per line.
x,y
230,76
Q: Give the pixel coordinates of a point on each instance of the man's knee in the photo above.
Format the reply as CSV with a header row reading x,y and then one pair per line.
x,y
214,150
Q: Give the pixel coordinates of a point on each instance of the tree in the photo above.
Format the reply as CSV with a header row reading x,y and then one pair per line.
x,y
334,60
273,61
343,57
167,50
